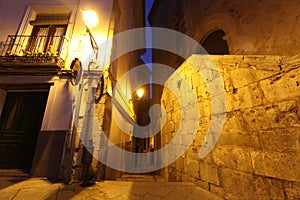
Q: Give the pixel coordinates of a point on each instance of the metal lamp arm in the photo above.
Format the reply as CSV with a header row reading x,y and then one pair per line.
x,y
93,42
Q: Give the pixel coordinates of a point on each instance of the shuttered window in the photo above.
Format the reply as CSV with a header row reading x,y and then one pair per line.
x,y
47,33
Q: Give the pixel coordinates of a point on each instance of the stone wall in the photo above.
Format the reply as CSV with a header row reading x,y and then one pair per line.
x,y
257,154
251,27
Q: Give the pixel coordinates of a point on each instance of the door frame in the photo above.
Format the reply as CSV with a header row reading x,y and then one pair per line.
x,y
24,88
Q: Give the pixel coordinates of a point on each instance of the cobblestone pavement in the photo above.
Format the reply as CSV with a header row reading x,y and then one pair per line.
x,y
42,189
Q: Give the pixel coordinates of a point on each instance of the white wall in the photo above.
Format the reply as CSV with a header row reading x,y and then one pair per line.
x,y
14,13
58,110
58,113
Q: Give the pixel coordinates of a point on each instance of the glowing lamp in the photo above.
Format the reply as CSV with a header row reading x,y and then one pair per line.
x,y
140,93
90,18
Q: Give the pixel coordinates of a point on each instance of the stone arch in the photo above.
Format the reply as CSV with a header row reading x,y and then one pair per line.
x,y
215,43
217,22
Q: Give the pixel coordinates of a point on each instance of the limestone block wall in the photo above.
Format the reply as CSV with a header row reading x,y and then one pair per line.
x,y
251,27
257,153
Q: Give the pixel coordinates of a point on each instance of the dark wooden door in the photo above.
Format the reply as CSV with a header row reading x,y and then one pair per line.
x,y
20,124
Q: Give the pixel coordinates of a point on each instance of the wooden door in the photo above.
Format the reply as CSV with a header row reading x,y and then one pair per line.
x,y
20,124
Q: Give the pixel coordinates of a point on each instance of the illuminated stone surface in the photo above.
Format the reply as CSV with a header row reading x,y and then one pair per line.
x,y
40,189
257,154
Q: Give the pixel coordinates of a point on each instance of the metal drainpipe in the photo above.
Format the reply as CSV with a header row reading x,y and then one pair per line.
x,y
89,176
87,157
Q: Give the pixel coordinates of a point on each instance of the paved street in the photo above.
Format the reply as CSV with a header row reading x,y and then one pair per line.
x,y
42,189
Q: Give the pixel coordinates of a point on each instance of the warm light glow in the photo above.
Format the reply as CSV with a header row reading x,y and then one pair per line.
x,y
140,93
109,91
152,142
90,18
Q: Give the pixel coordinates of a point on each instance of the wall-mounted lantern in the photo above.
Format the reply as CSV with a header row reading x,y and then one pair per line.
x,y
91,21
140,93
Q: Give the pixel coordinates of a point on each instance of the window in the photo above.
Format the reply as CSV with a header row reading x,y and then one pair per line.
x,y
44,27
48,33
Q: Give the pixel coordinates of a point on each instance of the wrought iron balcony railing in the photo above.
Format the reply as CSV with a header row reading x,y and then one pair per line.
x,y
34,49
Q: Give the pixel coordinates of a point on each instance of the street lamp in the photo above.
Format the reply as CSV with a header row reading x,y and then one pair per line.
x,y
90,18
91,21
140,93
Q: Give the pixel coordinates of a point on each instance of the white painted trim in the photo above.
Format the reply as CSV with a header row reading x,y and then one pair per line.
x,y
33,10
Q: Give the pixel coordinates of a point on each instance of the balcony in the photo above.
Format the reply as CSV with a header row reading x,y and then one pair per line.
x,y
33,51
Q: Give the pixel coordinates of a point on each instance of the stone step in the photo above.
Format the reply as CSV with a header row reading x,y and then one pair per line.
x,y
10,177
141,178
14,173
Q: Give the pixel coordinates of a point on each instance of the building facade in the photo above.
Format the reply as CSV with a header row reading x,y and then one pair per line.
x,y
49,57
40,77
248,146
57,112
96,118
